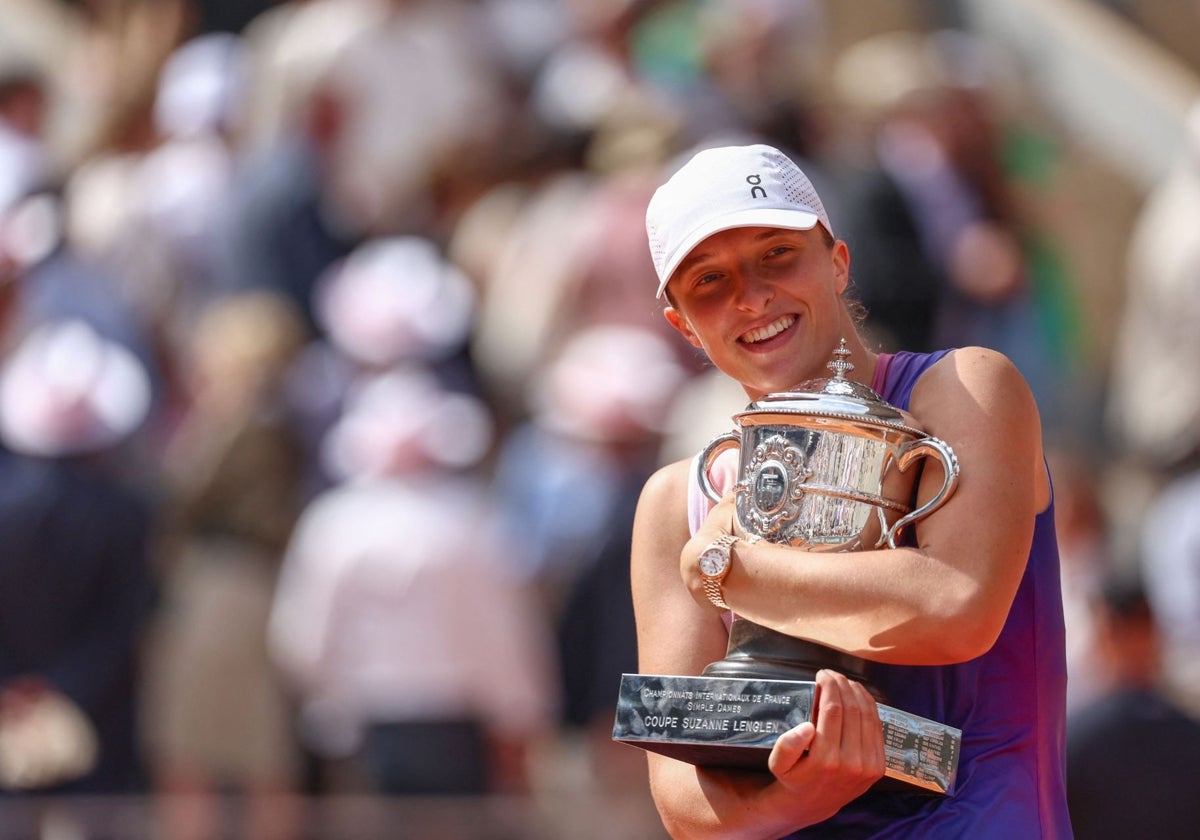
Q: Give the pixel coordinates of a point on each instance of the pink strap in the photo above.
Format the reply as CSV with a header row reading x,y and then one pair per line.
x,y
722,474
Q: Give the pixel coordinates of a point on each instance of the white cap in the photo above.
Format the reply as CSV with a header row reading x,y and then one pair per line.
x,y
395,299
609,383
199,86
403,421
723,188
67,391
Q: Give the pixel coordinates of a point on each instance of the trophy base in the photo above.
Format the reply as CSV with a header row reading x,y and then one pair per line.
x,y
730,722
759,653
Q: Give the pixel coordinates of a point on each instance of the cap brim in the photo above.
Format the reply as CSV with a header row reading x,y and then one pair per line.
x,y
756,217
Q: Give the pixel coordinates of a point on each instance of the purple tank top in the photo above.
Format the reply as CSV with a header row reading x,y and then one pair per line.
x,y
1009,703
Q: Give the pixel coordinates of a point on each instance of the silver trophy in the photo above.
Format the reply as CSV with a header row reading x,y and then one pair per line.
x,y
827,466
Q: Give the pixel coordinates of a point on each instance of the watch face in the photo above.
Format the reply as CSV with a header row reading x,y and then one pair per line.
x,y
713,562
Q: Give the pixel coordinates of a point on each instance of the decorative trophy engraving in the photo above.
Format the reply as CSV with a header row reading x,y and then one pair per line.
x,y
827,466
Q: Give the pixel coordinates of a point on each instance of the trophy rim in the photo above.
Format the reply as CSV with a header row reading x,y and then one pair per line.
x,y
758,410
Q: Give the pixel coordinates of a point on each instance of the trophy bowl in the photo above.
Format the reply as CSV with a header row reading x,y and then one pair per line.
x,y
828,466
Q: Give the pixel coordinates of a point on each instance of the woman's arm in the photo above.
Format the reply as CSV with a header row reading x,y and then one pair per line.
x,y
815,770
947,599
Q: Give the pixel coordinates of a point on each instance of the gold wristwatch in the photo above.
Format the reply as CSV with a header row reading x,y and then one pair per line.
x,y
714,566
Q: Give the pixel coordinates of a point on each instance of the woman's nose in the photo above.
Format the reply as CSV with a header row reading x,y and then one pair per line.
x,y
754,291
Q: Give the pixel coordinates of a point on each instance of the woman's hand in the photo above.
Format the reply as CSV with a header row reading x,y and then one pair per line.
x,y
828,762
816,769
720,521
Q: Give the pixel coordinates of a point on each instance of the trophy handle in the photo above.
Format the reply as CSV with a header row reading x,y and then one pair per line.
x,y
714,448
921,448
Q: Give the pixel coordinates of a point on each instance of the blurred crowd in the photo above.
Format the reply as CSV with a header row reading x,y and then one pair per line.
x,y
331,370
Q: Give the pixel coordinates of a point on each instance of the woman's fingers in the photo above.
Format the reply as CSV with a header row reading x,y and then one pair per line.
x,y
845,738
790,748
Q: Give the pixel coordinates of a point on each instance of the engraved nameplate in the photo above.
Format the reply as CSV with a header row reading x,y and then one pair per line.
x,y
728,722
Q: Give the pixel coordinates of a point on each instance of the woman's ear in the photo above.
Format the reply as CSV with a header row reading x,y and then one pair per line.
x,y
676,319
841,265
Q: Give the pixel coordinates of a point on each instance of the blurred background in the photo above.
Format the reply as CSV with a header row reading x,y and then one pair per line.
x,y
330,370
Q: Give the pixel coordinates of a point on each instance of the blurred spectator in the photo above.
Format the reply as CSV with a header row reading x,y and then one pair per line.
x,y
75,582
148,217
280,230
704,409
565,488
391,301
1154,409
1154,397
111,62
596,414
415,653
390,173
567,247
760,62
227,15
900,271
523,285
592,76
611,269
1170,551
937,215
1131,755
24,159
290,49
1082,527
58,282
336,153
284,224
397,299
219,720
575,257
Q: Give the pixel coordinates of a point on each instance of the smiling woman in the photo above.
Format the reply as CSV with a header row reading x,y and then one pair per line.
x,y
746,294
754,275
694,265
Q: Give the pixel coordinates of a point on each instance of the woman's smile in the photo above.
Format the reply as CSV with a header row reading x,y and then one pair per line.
x,y
760,335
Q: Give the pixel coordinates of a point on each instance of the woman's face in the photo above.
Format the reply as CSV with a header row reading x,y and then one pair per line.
x,y
763,303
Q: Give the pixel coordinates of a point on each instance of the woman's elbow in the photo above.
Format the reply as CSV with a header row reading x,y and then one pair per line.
x,y
967,643
963,628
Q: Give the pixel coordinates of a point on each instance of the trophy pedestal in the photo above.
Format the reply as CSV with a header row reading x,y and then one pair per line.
x,y
757,652
730,716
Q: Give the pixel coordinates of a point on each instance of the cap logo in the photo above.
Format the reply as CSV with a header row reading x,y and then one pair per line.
x,y
756,190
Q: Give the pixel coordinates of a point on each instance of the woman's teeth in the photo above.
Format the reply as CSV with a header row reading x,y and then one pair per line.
x,y
769,331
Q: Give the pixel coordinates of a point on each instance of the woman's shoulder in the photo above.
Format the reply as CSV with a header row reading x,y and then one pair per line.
x,y
668,485
971,365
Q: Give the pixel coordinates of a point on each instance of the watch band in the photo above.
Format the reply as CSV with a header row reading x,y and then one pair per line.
x,y
712,586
